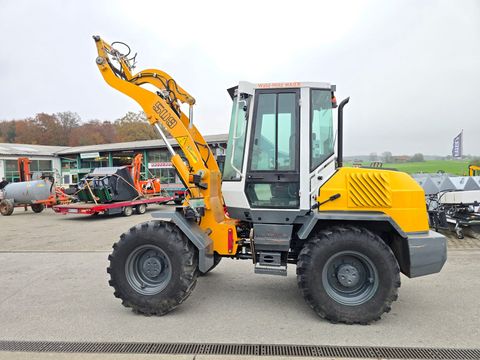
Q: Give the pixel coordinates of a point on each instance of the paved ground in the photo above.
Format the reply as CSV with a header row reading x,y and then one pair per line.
x,y
54,287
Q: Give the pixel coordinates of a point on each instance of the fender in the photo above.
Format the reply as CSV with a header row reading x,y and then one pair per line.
x,y
376,216
193,232
419,253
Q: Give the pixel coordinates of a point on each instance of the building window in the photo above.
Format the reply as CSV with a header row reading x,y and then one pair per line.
x,y
69,163
41,165
11,171
166,175
66,179
159,156
101,161
123,158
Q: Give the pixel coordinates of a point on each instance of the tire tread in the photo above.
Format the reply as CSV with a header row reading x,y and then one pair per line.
x,y
323,238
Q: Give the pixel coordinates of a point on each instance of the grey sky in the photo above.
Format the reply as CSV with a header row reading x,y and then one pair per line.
x,y
412,68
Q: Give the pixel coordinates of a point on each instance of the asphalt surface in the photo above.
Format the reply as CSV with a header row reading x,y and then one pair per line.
x,y
53,286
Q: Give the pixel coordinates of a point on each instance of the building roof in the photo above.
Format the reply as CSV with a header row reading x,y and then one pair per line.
x,y
43,150
131,145
29,150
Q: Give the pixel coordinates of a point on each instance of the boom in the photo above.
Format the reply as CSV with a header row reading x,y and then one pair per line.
x,y
201,176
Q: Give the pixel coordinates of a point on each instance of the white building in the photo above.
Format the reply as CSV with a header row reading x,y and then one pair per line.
x,y
42,158
70,164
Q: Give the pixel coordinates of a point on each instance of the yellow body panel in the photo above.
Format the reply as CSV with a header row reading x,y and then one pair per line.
x,y
391,192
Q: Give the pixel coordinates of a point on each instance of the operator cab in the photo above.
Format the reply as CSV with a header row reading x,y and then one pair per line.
x,y
280,150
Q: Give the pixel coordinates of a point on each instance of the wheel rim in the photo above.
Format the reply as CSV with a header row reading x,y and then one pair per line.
x,y
350,278
148,270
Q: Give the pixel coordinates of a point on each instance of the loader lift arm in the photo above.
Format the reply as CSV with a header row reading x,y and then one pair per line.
x,y
202,176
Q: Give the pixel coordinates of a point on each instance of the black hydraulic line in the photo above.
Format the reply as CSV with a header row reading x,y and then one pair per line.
x,y
340,132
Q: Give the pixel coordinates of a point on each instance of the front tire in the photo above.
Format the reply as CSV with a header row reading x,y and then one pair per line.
x,y
37,208
153,268
349,275
6,207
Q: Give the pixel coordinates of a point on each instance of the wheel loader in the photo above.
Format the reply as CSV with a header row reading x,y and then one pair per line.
x,y
284,198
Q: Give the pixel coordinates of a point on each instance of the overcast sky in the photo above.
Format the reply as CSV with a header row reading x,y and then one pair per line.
x,y
412,68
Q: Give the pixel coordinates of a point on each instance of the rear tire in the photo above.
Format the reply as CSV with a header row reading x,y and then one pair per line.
x,y
141,209
127,211
37,208
153,268
6,207
348,275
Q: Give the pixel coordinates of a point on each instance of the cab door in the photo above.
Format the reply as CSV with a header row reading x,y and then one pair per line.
x,y
273,172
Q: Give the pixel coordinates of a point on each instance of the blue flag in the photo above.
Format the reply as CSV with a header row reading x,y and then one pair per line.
x,y
457,148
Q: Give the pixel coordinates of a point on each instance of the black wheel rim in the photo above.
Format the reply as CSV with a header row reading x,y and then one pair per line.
x,y
350,278
148,270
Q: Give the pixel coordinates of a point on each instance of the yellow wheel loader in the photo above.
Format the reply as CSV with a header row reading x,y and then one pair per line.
x,y
284,198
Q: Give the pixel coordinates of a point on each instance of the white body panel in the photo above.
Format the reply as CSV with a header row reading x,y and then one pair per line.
x,y
460,197
319,177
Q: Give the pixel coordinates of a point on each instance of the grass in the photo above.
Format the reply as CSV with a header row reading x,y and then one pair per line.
x,y
457,167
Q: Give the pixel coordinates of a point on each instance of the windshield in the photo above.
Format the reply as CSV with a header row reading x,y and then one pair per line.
x,y
236,141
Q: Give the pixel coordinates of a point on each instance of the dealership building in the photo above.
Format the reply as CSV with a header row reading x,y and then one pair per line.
x,y
70,164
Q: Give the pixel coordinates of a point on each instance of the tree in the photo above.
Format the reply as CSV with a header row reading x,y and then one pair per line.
x,y
387,157
373,156
26,131
7,131
49,130
68,121
134,127
92,133
418,157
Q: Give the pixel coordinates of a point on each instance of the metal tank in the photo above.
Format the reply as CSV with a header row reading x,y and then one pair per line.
x,y
28,192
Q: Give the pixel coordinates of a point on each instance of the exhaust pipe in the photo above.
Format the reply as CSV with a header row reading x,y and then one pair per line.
x,y
340,131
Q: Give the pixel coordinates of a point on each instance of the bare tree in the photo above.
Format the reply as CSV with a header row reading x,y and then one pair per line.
x,y
387,157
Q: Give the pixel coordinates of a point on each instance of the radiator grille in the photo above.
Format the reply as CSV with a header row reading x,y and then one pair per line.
x,y
369,190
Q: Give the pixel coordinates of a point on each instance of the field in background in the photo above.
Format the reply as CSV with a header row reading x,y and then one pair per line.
x,y
456,167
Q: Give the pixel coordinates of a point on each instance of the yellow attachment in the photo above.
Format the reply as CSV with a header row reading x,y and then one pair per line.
x,y
473,170
164,109
393,193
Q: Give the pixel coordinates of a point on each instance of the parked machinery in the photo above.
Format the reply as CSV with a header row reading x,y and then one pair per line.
x,y
453,202
36,192
474,170
116,190
110,184
349,231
